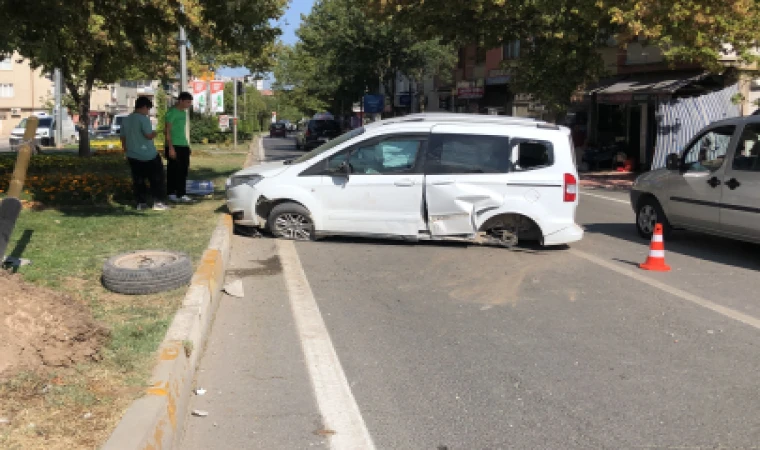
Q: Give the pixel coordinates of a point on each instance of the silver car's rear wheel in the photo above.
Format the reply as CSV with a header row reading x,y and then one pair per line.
x,y
291,221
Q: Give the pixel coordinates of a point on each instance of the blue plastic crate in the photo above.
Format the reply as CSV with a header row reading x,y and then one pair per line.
x,y
200,187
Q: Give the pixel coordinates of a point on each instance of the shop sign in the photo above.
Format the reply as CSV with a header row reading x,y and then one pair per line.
x,y
470,92
374,104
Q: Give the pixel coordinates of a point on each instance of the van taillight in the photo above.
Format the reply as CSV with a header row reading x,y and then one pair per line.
x,y
571,187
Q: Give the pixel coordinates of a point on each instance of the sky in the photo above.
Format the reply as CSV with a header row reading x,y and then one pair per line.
x,y
289,23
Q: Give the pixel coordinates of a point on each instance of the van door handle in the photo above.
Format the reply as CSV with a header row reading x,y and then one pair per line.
x,y
713,182
733,183
442,182
405,182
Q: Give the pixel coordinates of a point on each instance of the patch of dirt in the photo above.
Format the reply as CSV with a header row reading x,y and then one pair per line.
x,y
41,328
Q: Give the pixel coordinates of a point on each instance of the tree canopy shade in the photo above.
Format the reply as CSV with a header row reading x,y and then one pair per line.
x,y
563,34
342,54
93,41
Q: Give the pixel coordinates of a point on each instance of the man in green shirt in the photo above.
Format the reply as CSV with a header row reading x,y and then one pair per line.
x,y
137,140
177,148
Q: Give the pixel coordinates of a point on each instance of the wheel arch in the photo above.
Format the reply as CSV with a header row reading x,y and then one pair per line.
x,y
527,226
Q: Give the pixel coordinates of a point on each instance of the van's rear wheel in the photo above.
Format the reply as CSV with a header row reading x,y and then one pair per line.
x,y
648,214
291,221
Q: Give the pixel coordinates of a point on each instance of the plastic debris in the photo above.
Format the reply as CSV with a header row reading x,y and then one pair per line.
x,y
200,413
87,415
234,288
199,391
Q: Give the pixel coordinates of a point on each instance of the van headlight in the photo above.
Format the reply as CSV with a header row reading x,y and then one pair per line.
x,y
250,180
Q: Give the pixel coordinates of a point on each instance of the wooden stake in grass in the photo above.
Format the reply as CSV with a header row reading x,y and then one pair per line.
x,y
10,207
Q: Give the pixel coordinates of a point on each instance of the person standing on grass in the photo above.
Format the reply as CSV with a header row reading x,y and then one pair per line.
x,y
177,148
137,141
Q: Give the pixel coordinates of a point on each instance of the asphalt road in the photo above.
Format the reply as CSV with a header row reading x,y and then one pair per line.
x,y
430,346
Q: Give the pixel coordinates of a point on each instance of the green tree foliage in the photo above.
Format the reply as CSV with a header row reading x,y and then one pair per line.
x,y
94,41
342,54
564,34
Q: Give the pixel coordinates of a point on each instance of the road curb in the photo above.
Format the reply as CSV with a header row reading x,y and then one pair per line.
x,y
153,421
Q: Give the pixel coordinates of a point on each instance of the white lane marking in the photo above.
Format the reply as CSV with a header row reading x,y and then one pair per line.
x,y
606,198
728,312
337,404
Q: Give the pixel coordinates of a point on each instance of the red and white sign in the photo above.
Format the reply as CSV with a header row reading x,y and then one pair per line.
x,y
224,122
217,96
199,95
470,92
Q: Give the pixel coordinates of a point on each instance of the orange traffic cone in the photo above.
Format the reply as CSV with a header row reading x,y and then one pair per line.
x,y
656,259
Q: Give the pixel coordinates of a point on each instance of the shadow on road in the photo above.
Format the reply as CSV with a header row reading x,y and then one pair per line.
x,y
697,245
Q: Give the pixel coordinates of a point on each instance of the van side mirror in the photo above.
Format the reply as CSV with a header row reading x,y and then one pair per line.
x,y
673,162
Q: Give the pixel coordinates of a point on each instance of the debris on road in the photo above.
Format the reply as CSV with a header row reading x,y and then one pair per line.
x,y
234,288
200,413
199,391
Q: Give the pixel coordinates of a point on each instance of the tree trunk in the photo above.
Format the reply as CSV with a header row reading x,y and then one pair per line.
x,y
84,125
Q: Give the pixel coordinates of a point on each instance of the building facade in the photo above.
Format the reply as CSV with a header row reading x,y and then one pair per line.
x,y
23,90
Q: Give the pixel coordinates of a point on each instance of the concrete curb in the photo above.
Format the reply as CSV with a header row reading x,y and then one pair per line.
x,y
255,152
154,421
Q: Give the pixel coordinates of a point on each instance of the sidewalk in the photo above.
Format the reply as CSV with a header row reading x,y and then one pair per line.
x,y
619,181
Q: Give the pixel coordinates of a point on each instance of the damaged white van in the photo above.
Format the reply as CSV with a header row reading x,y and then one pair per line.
x,y
474,178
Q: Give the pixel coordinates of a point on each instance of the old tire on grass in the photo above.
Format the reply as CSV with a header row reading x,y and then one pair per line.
x,y
147,272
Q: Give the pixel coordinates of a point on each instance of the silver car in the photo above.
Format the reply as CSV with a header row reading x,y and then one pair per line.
x,y
713,186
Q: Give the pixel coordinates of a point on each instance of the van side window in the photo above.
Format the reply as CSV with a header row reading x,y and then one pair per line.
x,y
463,154
707,153
747,156
530,155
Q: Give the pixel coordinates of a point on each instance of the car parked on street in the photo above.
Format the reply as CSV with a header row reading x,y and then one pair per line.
x,y
462,177
102,132
45,135
713,186
278,129
316,132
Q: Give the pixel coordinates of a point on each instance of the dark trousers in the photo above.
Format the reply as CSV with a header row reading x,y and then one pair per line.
x,y
176,171
151,171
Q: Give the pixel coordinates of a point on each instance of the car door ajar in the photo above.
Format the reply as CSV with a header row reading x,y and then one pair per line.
x,y
382,193
740,203
694,192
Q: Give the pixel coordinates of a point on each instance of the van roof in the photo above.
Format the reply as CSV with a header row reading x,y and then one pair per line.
x,y
467,118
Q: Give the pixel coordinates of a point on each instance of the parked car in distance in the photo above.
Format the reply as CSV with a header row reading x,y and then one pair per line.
x,y
316,132
45,135
713,186
116,124
278,129
102,132
463,177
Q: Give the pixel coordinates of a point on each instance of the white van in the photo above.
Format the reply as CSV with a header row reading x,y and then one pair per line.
x,y
713,186
45,135
116,124
473,178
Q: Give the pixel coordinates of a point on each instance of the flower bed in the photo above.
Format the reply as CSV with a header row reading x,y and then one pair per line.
x,y
56,180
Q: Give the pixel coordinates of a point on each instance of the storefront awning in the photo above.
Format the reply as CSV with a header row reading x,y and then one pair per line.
x,y
662,83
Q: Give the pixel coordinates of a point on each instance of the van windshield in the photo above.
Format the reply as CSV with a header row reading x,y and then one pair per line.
x,y
329,144
44,122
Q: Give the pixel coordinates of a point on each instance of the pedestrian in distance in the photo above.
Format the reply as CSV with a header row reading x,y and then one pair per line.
x,y
137,136
177,149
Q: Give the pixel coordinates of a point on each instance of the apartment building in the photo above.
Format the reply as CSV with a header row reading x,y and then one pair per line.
x,y
23,90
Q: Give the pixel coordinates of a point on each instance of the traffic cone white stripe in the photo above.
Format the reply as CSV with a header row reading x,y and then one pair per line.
x,y
657,253
657,238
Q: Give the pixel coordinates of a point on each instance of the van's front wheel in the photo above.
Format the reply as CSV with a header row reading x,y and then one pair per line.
x,y
291,221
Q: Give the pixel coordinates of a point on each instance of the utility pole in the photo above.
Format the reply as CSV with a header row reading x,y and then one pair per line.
x,y
58,108
234,114
183,69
